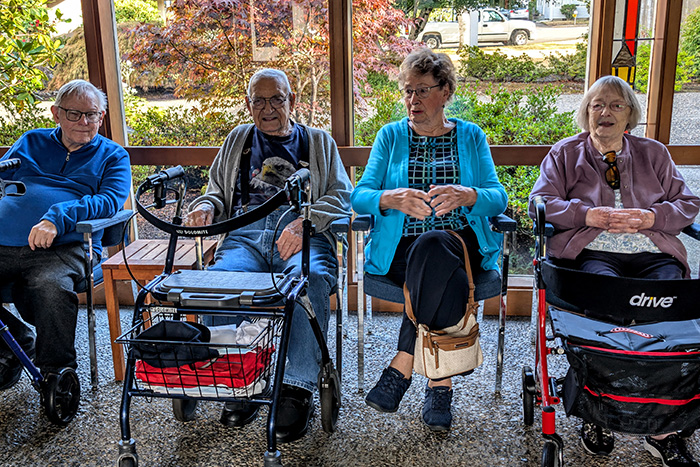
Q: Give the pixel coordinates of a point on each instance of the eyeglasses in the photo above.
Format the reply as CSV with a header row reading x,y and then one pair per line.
x,y
422,93
77,115
258,103
615,106
612,174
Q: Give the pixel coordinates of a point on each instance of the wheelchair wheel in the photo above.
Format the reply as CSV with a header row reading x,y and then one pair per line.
x,y
61,396
329,389
529,391
184,409
551,455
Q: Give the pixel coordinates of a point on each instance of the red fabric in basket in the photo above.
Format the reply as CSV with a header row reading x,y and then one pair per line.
x,y
233,370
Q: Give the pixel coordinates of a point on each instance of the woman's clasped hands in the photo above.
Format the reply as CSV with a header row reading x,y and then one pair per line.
x,y
440,200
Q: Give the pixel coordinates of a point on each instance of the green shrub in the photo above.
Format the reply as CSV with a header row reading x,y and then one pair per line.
x,y
568,10
498,66
684,66
690,43
386,107
17,123
141,11
572,66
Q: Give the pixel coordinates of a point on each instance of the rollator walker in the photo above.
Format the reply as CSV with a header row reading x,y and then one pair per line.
x,y
170,354
636,372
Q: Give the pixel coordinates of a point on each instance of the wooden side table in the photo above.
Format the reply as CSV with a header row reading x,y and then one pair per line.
x,y
146,260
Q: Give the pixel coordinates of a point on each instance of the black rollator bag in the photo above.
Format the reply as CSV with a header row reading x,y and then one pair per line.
x,y
451,351
638,379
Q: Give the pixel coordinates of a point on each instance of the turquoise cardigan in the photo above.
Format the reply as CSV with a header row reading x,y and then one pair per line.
x,y
387,168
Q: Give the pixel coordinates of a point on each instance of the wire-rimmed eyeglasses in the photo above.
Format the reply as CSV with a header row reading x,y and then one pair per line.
x,y
614,106
612,174
258,103
76,115
421,92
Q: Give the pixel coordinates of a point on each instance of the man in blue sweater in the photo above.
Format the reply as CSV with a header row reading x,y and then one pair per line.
x,y
71,174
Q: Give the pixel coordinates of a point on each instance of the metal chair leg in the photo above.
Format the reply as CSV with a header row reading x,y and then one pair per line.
x,y
503,302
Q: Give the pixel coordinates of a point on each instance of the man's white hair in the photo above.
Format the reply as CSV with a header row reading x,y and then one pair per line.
x,y
269,73
81,88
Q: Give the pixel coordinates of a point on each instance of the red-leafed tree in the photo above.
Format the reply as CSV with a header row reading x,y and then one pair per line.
x,y
212,47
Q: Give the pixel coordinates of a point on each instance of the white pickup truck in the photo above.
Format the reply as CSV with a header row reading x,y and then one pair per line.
x,y
492,27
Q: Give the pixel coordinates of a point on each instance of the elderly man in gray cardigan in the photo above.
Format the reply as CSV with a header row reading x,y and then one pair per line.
x,y
250,167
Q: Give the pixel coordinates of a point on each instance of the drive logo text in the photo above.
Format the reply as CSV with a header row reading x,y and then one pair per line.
x,y
651,302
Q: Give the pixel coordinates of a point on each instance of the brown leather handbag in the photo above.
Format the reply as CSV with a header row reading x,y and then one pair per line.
x,y
453,350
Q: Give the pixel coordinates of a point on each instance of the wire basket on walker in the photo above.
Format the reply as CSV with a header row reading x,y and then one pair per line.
x,y
171,355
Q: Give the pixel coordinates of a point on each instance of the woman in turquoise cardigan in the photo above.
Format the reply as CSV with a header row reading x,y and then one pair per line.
x,y
428,174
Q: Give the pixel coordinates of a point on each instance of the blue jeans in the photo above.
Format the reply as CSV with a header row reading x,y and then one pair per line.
x,y
251,249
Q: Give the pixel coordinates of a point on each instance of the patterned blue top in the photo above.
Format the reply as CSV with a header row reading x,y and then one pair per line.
x,y
433,160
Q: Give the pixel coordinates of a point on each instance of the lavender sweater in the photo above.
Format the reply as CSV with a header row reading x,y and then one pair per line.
x,y
572,180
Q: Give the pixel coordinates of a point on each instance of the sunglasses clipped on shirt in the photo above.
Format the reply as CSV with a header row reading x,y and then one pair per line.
x,y
612,174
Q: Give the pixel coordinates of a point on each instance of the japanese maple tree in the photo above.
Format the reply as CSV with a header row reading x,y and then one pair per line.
x,y
212,47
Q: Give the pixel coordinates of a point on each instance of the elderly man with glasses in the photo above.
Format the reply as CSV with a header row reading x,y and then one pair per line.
x,y
251,166
71,174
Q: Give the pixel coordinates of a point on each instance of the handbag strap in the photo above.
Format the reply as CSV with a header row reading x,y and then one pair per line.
x,y
472,306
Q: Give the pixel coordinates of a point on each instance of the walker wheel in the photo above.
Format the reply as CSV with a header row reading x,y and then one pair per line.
x,y
329,389
529,391
184,409
61,396
128,461
552,455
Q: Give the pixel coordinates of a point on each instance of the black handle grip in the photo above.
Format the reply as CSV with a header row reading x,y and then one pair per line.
x,y
9,164
168,174
301,176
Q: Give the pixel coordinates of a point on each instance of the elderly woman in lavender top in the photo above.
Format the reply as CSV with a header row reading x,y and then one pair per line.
x,y
618,204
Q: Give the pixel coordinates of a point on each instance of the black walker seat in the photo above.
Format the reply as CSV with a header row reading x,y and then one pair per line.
x,y
171,355
633,347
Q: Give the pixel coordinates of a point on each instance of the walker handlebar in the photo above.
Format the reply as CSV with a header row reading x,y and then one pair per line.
x,y
19,187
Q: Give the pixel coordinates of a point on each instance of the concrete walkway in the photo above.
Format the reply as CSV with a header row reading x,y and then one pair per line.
x,y
487,430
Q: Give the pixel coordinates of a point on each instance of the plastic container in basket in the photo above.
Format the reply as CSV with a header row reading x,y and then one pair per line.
x,y
176,357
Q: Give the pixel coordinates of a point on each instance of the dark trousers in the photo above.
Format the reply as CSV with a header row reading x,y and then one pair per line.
x,y
44,283
432,265
637,265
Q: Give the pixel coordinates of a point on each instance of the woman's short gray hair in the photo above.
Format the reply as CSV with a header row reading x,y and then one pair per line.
x,y
424,61
81,88
269,73
618,85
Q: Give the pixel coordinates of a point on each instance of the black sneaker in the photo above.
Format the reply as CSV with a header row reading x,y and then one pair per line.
x,y
10,372
671,450
597,440
436,408
386,395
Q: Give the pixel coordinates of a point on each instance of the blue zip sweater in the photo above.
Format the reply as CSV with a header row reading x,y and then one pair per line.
x,y
63,187
387,168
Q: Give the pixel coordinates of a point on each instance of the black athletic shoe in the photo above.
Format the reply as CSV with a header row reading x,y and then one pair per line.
x,y
671,450
597,440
